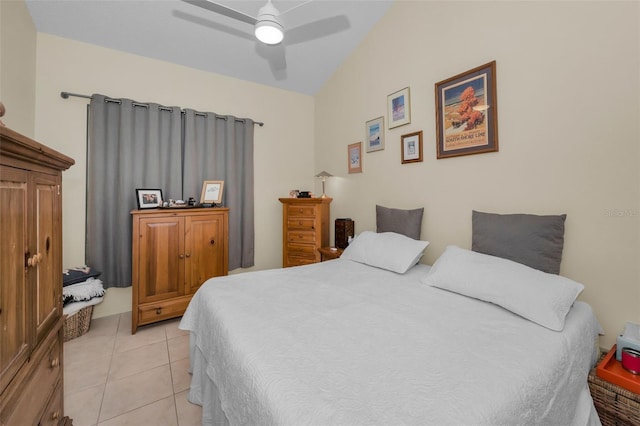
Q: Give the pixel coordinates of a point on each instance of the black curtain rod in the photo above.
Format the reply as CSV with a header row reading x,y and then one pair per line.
x,y
65,95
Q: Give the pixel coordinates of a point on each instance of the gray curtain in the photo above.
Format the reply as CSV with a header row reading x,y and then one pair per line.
x,y
130,146
221,148
133,145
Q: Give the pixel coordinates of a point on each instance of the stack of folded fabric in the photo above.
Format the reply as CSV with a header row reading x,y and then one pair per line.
x,y
80,288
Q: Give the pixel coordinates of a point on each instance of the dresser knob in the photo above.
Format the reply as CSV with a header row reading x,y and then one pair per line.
x,y
55,415
212,242
188,255
181,256
55,362
158,311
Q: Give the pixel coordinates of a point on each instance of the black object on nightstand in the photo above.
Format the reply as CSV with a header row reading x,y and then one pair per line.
x,y
344,229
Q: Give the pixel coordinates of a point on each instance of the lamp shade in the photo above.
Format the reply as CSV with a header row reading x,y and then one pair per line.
x,y
323,175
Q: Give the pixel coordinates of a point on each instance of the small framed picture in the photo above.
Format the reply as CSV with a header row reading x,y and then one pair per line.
x,y
149,198
212,192
411,147
399,108
375,134
354,154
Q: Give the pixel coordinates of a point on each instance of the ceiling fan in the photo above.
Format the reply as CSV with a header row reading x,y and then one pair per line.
x,y
267,27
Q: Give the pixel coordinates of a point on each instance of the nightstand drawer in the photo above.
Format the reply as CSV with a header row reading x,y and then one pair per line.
x,y
301,237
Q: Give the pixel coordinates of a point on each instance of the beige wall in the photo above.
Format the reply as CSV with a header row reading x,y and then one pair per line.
x,y
65,65
568,96
17,66
568,102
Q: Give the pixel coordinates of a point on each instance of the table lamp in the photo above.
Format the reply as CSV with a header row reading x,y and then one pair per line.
x,y
323,175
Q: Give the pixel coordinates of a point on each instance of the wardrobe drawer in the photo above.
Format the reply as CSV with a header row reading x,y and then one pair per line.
x,y
46,377
53,413
159,311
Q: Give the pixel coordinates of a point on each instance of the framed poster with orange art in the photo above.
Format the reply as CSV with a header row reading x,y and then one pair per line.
x,y
467,113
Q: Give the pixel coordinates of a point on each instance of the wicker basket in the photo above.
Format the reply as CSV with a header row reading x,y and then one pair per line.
x,y
615,405
77,324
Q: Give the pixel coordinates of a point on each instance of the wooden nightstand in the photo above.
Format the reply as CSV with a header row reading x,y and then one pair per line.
x,y
328,253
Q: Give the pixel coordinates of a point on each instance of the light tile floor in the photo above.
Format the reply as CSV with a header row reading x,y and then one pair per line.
x,y
112,377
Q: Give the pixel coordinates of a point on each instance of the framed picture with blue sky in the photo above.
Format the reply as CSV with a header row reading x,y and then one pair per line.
x,y
374,134
399,108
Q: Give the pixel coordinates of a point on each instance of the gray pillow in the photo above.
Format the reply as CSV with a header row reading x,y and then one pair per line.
x,y
405,222
535,241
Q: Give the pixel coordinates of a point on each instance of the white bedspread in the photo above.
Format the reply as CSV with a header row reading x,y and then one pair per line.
x,y
341,343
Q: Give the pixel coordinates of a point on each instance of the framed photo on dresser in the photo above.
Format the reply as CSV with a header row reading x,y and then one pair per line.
x,y
149,198
212,192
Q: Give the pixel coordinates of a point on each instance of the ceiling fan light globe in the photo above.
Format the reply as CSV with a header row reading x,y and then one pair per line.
x,y
269,32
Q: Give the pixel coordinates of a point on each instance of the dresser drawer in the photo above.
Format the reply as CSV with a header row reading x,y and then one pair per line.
x,y
158,311
301,237
301,254
301,210
301,223
304,250
293,260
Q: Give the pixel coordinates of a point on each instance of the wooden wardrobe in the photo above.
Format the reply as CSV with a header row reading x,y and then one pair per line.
x,y
31,321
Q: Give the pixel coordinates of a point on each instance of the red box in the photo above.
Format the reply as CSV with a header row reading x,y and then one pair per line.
x,y
611,370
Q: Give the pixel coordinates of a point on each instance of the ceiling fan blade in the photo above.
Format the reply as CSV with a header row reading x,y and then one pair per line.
x,y
295,7
223,10
276,58
217,26
317,29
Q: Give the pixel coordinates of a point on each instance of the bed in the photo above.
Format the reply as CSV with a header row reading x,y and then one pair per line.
x,y
378,338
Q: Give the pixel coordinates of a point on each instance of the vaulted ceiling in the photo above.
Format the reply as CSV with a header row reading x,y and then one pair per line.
x,y
319,35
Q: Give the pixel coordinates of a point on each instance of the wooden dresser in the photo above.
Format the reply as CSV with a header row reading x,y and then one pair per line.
x,y
175,251
305,228
31,341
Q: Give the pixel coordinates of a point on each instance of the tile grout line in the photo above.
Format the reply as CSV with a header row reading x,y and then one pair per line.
x,y
106,382
173,388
